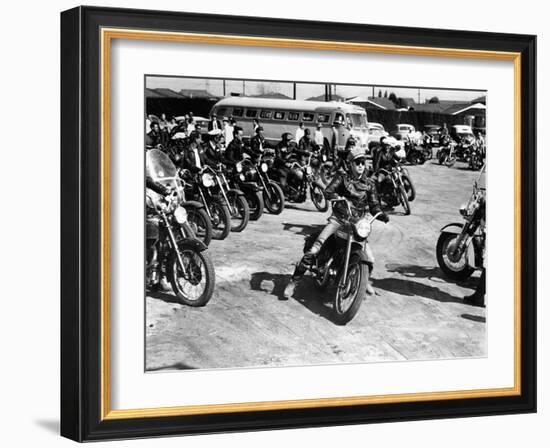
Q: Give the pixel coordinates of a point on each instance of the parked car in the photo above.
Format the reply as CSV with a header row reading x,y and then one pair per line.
x,y
433,131
376,132
403,130
461,131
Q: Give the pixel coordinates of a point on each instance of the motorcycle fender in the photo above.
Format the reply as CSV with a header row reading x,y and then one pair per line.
x,y
192,243
454,227
193,204
251,186
237,192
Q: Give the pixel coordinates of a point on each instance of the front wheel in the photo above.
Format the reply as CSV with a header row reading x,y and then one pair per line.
x,y
255,204
238,208
350,294
450,161
326,173
409,188
453,263
200,223
221,219
274,198
403,198
318,197
193,280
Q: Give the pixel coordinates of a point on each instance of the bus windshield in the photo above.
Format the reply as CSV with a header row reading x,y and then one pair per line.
x,y
357,120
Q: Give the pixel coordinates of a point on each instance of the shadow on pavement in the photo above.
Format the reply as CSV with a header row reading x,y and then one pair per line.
x,y
306,293
429,272
410,288
473,317
302,229
176,366
164,296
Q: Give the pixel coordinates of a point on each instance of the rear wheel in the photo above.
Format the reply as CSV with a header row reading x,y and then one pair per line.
x,y
350,294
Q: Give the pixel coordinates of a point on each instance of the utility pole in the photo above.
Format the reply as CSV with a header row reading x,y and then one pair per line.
x,y
224,87
294,91
373,91
243,88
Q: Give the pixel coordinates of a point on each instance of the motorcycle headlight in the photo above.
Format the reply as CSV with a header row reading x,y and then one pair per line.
x,y
239,167
241,176
362,228
308,169
264,167
463,209
207,180
324,157
180,215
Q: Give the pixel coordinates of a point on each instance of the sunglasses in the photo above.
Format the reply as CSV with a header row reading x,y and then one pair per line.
x,y
359,162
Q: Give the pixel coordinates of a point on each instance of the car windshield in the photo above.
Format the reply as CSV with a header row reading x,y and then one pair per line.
x,y
357,120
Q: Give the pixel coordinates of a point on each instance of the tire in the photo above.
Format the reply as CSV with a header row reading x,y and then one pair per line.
x,y
409,188
326,174
199,221
450,161
200,271
220,217
255,204
239,211
456,273
276,204
318,197
358,275
403,198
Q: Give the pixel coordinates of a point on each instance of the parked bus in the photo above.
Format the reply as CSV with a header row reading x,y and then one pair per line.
x,y
277,116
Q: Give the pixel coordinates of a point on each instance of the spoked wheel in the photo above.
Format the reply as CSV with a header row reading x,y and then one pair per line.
x,y
409,188
255,204
199,222
453,263
326,173
403,199
193,281
318,197
238,208
450,161
274,198
221,219
350,295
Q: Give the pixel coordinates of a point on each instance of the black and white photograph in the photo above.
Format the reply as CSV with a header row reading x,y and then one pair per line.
x,y
295,224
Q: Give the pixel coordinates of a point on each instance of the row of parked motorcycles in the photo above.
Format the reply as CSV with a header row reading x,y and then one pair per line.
x,y
465,150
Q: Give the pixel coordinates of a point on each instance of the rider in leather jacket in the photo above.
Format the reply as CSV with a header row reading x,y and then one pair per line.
x,y
360,190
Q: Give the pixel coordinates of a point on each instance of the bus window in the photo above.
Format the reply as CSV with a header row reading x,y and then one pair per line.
x,y
339,117
357,120
251,113
308,116
323,118
279,115
265,114
237,111
293,116
222,111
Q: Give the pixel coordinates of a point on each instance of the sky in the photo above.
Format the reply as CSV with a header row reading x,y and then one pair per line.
x,y
303,91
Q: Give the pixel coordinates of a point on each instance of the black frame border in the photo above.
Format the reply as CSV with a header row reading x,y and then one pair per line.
x,y
81,223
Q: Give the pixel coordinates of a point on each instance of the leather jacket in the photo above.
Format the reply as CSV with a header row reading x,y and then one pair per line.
x,y
361,192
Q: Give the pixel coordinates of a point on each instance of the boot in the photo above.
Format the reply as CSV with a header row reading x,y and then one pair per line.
x,y
475,299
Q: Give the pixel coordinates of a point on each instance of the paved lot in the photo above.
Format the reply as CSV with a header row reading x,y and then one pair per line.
x,y
416,312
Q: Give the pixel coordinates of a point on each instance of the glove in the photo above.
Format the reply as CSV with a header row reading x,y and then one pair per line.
x,y
384,218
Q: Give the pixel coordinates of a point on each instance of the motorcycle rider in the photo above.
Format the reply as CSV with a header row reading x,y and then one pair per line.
x,y
385,158
235,150
258,144
213,148
283,151
194,158
360,190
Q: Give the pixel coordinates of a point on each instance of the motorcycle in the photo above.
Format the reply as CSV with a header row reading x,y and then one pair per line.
x,y
397,187
234,199
171,247
463,149
253,193
342,262
301,180
476,158
415,154
460,246
197,217
204,187
273,196
446,153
